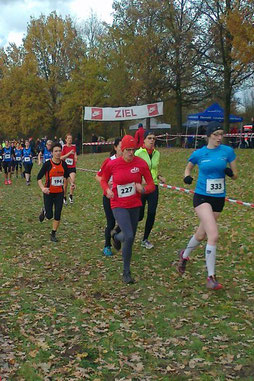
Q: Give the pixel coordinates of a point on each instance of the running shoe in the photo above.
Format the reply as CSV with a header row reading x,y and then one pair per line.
x,y
107,251
28,183
42,215
9,182
53,238
146,244
212,283
71,199
182,262
6,182
127,278
65,201
116,242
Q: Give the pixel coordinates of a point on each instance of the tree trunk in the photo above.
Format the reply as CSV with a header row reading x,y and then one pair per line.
x,y
227,98
179,103
179,116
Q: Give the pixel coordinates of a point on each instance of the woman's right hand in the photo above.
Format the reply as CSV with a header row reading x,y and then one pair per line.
x,y
45,190
109,193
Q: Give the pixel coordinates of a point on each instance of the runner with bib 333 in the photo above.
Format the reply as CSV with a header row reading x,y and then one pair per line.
x,y
209,197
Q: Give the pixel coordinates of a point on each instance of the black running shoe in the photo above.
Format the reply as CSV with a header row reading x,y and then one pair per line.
x,y
42,215
127,278
182,262
53,238
116,242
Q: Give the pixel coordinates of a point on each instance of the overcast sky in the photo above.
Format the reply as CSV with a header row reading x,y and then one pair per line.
x,y
15,14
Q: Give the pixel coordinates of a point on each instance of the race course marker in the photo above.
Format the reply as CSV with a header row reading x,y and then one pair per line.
x,y
192,191
180,189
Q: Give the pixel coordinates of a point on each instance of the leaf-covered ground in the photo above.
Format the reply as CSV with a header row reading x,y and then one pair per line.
x,y
66,315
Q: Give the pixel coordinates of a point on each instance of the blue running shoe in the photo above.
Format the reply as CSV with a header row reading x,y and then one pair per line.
x,y
107,251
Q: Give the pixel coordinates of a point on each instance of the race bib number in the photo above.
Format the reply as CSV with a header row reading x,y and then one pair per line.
x,y
7,156
18,158
57,181
215,186
26,159
69,161
126,190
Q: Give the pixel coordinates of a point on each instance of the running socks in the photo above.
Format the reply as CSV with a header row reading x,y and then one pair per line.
x,y
210,256
193,243
53,232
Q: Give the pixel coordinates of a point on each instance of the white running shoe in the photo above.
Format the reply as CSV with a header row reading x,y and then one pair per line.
x,y
148,245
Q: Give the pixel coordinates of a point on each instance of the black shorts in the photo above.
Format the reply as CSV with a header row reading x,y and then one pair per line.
x,y
7,166
28,167
71,170
53,200
217,203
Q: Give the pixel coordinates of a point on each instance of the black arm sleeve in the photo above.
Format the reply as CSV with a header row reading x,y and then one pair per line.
x,y
45,168
66,173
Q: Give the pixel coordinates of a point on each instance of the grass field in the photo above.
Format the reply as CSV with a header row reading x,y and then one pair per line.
x,y
66,315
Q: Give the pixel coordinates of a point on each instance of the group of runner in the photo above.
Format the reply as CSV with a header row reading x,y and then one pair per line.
x,y
130,178
16,158
58,167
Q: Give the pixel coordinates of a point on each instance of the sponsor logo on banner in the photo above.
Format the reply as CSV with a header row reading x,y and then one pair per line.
x,y
97,113
153,109
135,170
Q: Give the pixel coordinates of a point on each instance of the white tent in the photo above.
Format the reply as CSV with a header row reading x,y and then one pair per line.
x,y
153,125
194,124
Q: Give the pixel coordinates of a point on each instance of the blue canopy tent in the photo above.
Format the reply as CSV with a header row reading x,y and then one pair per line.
x,y
213,113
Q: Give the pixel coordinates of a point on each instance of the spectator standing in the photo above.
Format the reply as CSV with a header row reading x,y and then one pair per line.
x,y
139,135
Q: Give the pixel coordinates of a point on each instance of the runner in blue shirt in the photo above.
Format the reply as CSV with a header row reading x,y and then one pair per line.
x,y
209,197
45,153
7,153
18,159
27,161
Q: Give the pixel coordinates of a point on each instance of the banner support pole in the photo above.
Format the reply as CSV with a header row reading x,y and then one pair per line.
x,y
82,131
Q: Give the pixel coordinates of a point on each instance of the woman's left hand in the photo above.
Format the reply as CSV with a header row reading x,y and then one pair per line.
x,y
139,188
